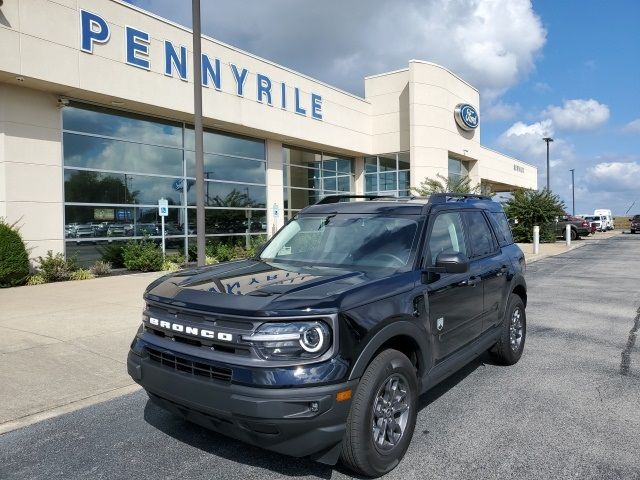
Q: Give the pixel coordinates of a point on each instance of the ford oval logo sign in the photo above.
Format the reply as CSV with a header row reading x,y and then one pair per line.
x,y
466,117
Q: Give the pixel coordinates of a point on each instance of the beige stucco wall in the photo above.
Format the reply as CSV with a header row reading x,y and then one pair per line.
x,y
31,162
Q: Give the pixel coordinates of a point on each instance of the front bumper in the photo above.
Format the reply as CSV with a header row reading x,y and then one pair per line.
x,y
281,420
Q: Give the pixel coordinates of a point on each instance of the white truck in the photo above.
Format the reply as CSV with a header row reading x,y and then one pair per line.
x,y
606,218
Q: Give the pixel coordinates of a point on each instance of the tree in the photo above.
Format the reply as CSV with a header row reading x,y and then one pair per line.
x,y
14,258
528,208
443,184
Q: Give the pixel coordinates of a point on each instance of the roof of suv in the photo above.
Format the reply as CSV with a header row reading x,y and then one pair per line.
x,y
375,204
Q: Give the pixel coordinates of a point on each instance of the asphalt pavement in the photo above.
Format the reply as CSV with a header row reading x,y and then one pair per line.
x,y
569,409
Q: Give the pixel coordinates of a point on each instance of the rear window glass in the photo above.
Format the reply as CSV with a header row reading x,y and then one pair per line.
x,y
503,231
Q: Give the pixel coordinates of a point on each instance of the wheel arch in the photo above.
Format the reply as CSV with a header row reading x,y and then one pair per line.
x,y
402,335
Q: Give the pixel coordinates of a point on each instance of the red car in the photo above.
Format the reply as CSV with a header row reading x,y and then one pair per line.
x,y
635,224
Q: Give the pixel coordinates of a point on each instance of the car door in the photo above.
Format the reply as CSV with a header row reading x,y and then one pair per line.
x,y
489,263
455,300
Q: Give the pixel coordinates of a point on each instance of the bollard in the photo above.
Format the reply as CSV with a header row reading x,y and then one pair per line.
x,y
567,235
536,240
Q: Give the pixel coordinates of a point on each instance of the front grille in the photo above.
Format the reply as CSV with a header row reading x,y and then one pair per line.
x,y
188,366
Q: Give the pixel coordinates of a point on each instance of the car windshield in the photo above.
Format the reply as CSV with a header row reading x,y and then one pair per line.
x,y
345,241
636,217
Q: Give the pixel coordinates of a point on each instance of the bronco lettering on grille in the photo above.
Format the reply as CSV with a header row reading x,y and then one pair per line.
x,y
195,331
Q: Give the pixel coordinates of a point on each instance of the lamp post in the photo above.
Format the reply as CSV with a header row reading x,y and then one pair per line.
x,y
197,114
573,191
548,139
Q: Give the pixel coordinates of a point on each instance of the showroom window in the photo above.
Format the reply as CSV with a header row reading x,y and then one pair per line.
x,y
117,165
310,175
387,174
458,169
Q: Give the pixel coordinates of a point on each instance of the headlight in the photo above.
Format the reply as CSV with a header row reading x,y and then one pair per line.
x,y
291,341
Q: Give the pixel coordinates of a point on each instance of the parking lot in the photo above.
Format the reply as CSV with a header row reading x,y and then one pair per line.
x,y
569,409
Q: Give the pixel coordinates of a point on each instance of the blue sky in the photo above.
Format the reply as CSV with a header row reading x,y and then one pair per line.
x,y
565,68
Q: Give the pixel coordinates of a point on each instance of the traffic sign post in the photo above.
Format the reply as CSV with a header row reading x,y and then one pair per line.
x,y
163,211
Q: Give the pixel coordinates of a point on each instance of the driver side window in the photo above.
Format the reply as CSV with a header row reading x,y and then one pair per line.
x,y
447,235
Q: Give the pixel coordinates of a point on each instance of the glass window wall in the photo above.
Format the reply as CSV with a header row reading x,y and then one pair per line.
x,y
309,176
387,174
117,165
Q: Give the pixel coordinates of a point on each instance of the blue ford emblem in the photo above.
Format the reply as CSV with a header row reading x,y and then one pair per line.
x,y
466,116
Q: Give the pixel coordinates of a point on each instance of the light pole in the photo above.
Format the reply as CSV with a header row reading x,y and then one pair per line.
x,y
548,139
573,191
197,113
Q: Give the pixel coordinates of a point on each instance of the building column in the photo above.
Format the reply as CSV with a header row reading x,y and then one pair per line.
x,y
358,166
275,187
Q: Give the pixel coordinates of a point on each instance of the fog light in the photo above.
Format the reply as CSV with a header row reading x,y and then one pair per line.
x,y
314,407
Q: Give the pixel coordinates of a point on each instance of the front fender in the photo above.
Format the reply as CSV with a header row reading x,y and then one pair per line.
x,y
398,328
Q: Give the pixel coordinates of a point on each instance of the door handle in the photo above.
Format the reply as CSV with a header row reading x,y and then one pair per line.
x,y
471,282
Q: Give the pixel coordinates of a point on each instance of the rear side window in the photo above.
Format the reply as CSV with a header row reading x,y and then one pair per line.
x,y
503,232
479,234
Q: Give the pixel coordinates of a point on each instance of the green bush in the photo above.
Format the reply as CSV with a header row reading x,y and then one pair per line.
x,y
143,255
101,268
82,274
528,208
36,279
55,268
14,259
112,254
231,248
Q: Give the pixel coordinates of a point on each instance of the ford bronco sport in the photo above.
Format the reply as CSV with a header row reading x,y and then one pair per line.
x,y
321,344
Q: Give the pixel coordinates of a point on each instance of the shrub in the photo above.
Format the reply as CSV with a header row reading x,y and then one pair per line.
x,y
530,208
112,254
82,274
14,259
168,266
55,268
176,258
442,184
36,279
101,268
143,256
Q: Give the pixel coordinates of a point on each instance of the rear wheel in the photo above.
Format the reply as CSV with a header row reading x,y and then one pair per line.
x,y
510,346
382,417
574,234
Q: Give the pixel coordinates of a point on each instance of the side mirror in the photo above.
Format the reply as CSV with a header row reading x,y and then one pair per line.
x,y
452,262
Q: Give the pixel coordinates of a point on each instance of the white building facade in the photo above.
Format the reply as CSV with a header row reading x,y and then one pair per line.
x,y
96,112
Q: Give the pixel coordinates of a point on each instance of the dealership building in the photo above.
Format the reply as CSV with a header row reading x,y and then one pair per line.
x,y
96,126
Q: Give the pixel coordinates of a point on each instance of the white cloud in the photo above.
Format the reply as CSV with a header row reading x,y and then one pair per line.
x,y
632,127
617,176
500,111
578,114
490,43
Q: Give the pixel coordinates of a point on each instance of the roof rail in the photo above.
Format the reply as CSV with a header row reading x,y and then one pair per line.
x,y
337,198
444,197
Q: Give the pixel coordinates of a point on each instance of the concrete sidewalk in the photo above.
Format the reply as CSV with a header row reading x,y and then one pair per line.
x,y
64,345
552,249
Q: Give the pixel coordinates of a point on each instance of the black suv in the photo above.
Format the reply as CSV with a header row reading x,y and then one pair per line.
x,y
321,344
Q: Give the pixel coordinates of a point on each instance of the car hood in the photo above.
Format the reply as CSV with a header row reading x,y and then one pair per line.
x,y
257,288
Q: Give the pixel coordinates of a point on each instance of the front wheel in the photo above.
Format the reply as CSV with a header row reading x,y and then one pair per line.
x,y
510,346
382,417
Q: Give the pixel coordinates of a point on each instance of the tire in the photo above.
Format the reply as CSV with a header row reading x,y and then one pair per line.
x,y
504,351
360,451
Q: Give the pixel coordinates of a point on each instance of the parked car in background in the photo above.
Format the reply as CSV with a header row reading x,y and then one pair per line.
x,y
598,222
606,217
579,226
635,224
